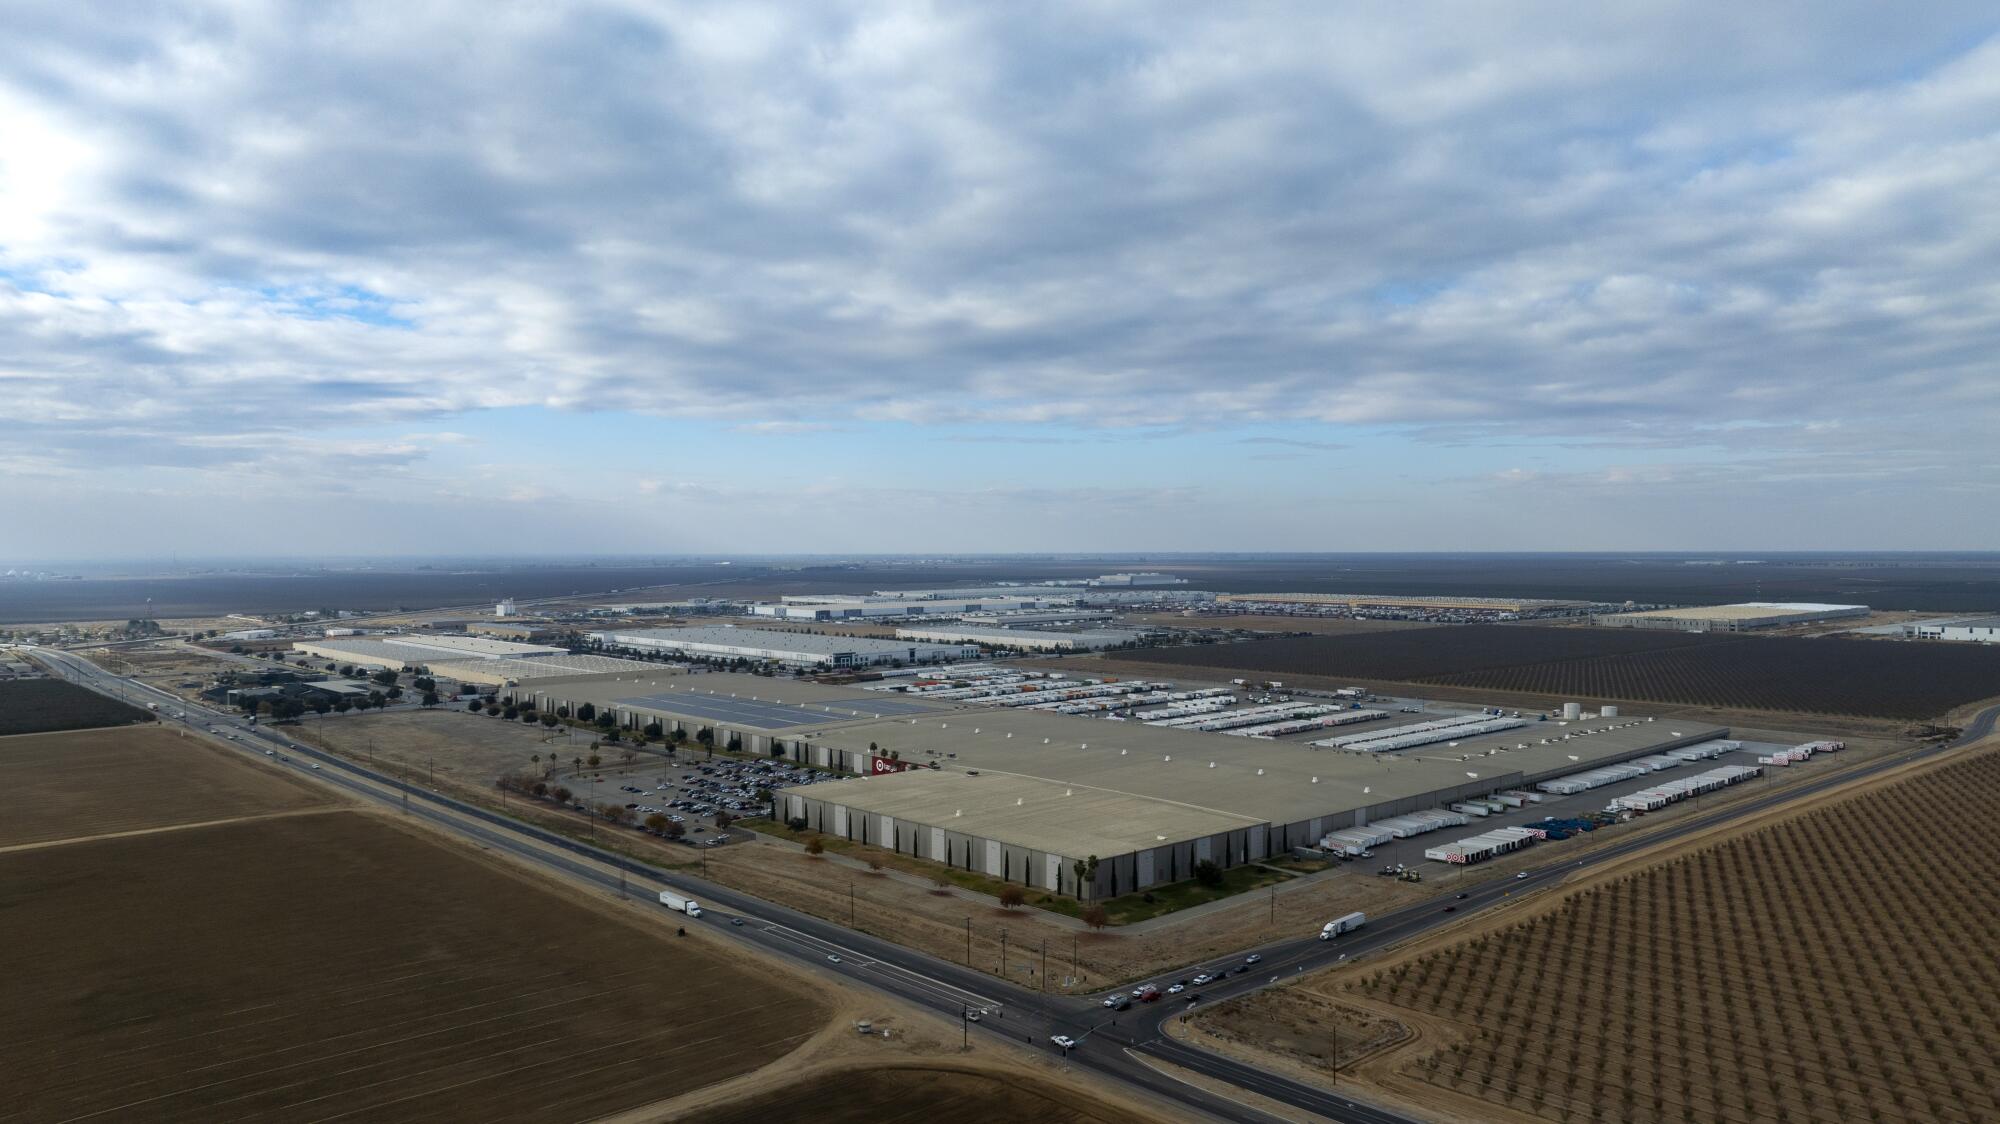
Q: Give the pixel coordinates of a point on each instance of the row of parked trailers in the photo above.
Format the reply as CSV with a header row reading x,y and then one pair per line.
x,y
1498,802
1249,716
1187,709
1355,840
1313,722
1639,767
1683,788
1425,733
1479,848
1798,753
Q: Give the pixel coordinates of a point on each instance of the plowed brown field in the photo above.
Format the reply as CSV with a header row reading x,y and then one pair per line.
x,y
909,1093
336,966
95,782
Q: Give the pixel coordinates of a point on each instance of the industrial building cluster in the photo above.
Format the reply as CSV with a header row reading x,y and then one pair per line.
x,y
1383,606
1017,776
1085,786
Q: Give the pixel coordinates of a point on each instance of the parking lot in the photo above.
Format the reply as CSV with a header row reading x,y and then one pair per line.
x,y
691,794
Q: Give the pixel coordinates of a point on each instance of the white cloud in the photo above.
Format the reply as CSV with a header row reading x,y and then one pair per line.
x,y
225,225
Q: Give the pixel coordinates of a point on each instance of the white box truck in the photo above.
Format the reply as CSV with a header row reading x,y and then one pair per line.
x,y
1341,925
680,904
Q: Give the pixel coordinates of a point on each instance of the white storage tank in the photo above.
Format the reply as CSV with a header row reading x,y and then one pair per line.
x,y
1607,712
1572,711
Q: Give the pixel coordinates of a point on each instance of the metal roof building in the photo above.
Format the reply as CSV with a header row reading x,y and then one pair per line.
x,y
803,649
1024,795
1024,638
396,650
1734,618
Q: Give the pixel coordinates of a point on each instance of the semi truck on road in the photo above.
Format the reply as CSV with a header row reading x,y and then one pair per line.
x,y
1341,925
680,904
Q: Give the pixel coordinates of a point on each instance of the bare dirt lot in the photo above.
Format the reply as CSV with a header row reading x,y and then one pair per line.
x,y
95,782
470,751
903,1093
1839,964
336,965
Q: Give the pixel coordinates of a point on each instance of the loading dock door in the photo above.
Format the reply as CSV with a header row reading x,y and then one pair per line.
x,y
993,857
937,844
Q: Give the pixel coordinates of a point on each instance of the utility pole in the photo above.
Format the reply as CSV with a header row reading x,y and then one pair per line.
x,y
1045,964
968,942
1003,952
1072,959
964,1028
850,905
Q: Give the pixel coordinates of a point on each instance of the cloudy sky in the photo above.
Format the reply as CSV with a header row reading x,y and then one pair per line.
x,y
903,277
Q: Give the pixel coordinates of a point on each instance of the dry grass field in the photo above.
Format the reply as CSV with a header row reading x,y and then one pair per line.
x,y
96,782
469,751
337,966
909,1093
1839,965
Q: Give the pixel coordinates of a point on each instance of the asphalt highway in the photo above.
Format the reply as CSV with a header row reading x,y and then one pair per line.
x,y
1110,1043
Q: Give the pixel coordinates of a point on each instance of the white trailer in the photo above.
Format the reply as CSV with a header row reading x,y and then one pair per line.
x,y
680,903
1340,925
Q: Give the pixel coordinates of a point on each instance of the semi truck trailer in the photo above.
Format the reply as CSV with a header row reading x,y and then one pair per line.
x,y
680,904
1341,925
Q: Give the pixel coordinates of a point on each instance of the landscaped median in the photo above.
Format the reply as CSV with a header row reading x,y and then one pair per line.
x,y
1122,910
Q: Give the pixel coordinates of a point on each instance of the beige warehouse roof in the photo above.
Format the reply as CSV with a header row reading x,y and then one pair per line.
x,y
541,667
1278,781
1075,821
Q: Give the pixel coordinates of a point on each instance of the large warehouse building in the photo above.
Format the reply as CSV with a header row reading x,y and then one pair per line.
x,y
1976,630
1734,618
842,608
1024,639
1026,795
398,650
1362,602
798,649
496,673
